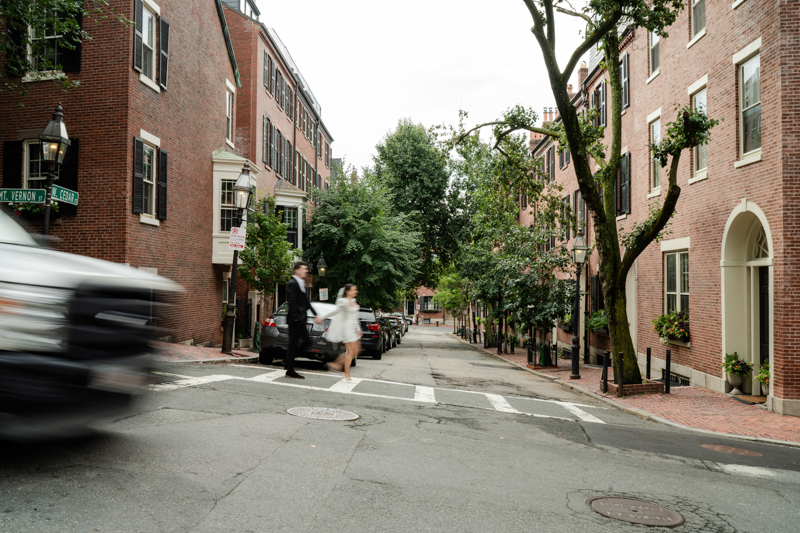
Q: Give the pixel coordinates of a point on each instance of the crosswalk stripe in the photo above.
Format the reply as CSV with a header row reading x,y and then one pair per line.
x,y
580,413
190,382
344,386
500,403
269,376
424,394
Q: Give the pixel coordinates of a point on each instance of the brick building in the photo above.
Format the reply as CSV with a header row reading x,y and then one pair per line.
x,y
279,127
727,260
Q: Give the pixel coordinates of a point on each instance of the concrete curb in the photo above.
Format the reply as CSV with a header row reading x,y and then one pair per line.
x,y
641,413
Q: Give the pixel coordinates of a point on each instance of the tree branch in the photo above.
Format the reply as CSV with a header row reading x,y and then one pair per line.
x,y
592,39
511,130
551,23
574,14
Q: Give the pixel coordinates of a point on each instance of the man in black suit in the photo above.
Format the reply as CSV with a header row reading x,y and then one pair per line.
x,y
298,307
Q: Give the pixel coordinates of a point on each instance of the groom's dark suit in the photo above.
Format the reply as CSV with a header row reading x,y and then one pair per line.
x,y
298,332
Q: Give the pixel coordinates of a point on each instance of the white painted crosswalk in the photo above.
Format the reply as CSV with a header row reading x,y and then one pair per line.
x,y
405,392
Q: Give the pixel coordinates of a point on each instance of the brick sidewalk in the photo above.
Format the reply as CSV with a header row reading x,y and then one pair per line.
x,y
174,353
686,406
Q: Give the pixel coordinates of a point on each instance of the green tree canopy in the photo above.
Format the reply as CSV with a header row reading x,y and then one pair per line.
x,y
364,240
412,167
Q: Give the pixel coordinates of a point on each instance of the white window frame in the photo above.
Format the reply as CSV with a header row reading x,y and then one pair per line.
x,y
230,105
223,206
698,174
740,59
30,147
697,33
679,289
150,80
654,41
149,202
652,119
153,143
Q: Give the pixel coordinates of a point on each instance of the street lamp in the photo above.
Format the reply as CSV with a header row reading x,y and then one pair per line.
x,y
579,250
322,268
242,190
54,144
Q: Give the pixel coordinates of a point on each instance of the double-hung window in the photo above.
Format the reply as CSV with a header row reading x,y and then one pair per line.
x,y
227,209
148,181
148,43
700,151
229,115
750,119
698,16
676,282
624,74
655,165
35,168
46,44
655,58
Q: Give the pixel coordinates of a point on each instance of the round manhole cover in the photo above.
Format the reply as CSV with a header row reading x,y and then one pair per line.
x,y
731,449
637,512
322,413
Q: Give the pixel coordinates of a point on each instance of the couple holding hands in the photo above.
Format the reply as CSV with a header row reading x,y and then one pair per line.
x,y
344,327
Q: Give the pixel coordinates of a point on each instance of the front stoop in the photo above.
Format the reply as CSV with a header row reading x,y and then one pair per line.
x,y
651,387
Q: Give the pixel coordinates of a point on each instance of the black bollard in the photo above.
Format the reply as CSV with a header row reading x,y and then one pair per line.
x,y
499,343
606,361
647,372
530,352
619,375
667,377
512,343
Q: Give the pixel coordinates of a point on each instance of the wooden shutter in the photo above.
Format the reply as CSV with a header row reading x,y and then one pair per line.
x,y
162,185
567,212
138,175
12,164
163,61
264,139
68,177
625,184
290,159
16,55
71,59
138,23
567,155
595,287
552,163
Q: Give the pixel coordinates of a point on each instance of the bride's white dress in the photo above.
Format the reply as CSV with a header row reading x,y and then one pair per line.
x,y
345,326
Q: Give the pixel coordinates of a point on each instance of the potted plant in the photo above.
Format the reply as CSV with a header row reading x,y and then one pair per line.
x,y
763,377
34,212
736,369
566,323
598,322
672,326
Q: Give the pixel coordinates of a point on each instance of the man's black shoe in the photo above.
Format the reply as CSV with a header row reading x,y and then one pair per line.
x,y
293,374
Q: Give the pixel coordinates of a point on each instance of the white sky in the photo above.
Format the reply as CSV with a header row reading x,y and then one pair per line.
x,y
371,63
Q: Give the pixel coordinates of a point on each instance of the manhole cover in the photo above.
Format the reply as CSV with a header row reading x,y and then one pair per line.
x,y
636,512
730,449
322,413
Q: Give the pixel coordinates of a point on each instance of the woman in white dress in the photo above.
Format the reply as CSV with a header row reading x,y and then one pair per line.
x,y
345,328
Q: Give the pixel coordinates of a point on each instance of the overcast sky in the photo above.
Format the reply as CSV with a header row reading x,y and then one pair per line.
x,y
371,63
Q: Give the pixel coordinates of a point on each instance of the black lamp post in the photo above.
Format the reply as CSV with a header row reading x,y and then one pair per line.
x,y
322,268
54,143
242,190
579,250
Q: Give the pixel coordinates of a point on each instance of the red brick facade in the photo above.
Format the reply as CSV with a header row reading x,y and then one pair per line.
x,y
722,211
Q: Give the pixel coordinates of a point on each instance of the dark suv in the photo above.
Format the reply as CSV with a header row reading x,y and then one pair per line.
x,y
372,333
275,337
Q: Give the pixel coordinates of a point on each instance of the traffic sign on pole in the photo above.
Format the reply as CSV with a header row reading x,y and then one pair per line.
x,y
22,196
64,195
237,239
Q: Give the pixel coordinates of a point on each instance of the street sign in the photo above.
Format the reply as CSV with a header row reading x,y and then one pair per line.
x,y
323,295
238,236
22,196
64,195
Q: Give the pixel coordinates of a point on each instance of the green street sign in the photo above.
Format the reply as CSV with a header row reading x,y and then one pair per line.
x,y
23,196
64,195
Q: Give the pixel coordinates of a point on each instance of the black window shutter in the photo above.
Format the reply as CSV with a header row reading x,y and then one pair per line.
x,y
12,165
162,185
138,175
264,136
594,293
625,184
16,58
71,59
617,196
560,158
567,155
163,61
273,148
567,216
289,156
68,177
138,23
553,165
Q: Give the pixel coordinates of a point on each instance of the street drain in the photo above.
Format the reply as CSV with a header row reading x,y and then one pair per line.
x,y
322,413
636,512
730,449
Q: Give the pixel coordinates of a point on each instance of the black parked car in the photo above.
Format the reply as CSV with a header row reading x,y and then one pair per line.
x,y
390,334
275,337
398,325
405,320
373,333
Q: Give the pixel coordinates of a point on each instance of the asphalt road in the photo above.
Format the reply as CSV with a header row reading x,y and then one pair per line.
x,y
448,439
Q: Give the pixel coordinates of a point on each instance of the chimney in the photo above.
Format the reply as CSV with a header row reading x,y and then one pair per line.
x,y
582,73
569,90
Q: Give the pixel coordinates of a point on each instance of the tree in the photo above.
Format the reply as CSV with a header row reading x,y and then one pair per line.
x,y
692,127
414,170
27,55
452,294
364,241
267,258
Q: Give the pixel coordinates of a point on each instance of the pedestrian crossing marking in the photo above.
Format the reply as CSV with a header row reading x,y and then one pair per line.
x,y
422,394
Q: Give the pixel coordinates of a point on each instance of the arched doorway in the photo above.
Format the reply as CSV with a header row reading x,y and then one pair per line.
x,y
747,288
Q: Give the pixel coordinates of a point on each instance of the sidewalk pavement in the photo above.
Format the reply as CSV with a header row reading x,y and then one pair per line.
x,y
181,353
685,407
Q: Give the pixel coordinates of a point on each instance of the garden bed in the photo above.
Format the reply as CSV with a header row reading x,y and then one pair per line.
x,y
651,387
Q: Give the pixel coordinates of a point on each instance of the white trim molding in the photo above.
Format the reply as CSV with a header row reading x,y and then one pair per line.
x,y
655,115
737,3
747,52
652,76
750,157
149,138
150,83
698,86
700,35
673,245
152,6
230,86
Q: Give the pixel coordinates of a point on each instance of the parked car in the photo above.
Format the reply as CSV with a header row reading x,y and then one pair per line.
x,y
275,337
390,334
404,320
397,325
75,336
372,334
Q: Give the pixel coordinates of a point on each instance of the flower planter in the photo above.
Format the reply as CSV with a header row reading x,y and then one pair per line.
x,y
245,344
736,381
565,327
651,387
601,331
764,389
683,338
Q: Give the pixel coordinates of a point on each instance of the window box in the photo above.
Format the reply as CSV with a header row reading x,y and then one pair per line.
x,y
565,326
684,339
